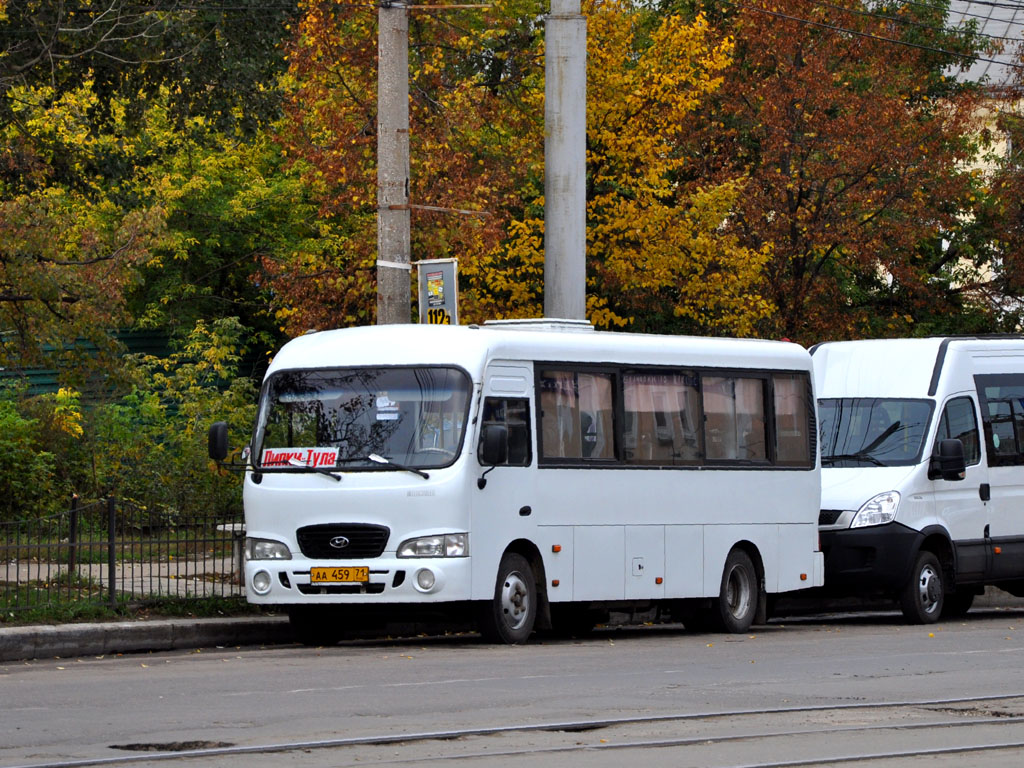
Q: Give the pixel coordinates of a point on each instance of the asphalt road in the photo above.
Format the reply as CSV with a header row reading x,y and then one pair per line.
x,y
660,682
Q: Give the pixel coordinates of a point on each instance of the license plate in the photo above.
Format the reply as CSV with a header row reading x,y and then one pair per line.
x,y
339,575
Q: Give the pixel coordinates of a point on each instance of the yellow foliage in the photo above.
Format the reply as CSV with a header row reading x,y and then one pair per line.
x,y
67,412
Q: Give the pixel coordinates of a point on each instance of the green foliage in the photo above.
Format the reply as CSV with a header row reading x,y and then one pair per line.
x,y
148,445
29,486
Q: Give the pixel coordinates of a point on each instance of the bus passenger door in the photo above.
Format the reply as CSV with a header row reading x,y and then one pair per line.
x,y
503,509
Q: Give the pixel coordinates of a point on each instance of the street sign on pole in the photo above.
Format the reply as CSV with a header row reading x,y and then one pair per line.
x,y
439,291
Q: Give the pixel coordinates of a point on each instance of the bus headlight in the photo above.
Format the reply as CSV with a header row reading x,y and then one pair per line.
x,y
447,545
878,510
266,549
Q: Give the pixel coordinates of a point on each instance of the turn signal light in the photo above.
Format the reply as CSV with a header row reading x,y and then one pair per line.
x,y
556,547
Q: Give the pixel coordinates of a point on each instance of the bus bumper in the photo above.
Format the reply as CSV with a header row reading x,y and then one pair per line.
x,y
397,580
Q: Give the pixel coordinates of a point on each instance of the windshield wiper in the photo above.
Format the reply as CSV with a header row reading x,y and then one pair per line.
x,y
318,470
852,457
376,457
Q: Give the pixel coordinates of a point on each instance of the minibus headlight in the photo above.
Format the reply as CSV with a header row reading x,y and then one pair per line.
x,y
449,545
878,510
266,549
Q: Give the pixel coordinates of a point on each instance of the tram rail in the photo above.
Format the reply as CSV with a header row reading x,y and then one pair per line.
x,y
968,725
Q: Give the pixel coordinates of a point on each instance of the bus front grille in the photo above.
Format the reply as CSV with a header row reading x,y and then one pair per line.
x,y
342,541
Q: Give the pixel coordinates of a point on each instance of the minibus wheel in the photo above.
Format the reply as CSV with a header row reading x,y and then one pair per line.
x,y
737,599
510,616
922,598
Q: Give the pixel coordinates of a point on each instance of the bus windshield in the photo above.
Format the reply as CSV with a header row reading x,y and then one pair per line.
x,y
353,418
878,432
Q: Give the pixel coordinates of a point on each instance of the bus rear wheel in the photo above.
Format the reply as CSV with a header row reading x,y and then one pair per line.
x,y
736,607
510,616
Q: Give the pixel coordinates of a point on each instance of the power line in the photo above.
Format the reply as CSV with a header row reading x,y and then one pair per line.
x,y
869,36
910,22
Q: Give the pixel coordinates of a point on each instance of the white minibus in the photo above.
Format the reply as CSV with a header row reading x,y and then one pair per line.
x,y
922,452
529,474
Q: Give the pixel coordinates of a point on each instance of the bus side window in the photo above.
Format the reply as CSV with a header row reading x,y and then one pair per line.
x,y
734,408
792,420
576,415
514,414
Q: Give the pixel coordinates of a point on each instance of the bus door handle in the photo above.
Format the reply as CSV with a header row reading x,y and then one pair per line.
x,y
985,492
525,511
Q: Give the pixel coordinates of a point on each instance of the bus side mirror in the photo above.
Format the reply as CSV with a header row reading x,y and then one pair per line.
x,y
493,449
218,440
948,462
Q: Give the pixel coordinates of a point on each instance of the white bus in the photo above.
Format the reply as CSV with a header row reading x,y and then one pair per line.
x,y
529,474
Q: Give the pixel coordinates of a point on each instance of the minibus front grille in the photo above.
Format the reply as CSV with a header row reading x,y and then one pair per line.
x,y
341,589
342,541
829,516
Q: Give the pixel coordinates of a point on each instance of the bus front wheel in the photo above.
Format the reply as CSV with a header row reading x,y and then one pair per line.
x,y
510,616
737,600
923,596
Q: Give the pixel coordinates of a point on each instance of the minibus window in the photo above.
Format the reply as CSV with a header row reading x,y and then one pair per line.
x,y
576,415
514,415
663,421
1002,410
735,426
959,422
413,417
792,405
862,431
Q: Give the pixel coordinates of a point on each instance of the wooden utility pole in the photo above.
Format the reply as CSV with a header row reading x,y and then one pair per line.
x,y
394,294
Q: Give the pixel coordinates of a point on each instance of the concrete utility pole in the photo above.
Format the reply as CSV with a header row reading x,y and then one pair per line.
x,y
394,295
565,162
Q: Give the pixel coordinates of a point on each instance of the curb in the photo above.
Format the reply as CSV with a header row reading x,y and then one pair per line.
x,y
99,639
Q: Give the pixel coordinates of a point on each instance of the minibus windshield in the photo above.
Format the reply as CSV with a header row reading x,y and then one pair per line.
x,y
880,432
412,418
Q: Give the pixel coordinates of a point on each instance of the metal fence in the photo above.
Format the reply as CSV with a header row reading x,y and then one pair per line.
x,y
115,552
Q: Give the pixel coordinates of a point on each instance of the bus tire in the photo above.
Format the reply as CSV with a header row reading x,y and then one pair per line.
x,y
736,606
510,616
922,598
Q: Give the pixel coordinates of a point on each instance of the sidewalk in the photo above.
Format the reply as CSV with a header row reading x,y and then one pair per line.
x,y
99,639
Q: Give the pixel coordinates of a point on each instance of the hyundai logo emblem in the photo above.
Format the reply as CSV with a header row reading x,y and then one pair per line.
x,y
339,542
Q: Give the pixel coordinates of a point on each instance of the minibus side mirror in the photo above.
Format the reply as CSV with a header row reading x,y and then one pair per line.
x,y
493,449
948,462
218,440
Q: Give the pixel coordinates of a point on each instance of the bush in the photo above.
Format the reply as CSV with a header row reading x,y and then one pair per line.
x,y
28,477
147,446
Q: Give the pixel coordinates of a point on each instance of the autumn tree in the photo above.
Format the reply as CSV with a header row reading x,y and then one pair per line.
x,y
857,140
68,252
136,177
656,258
